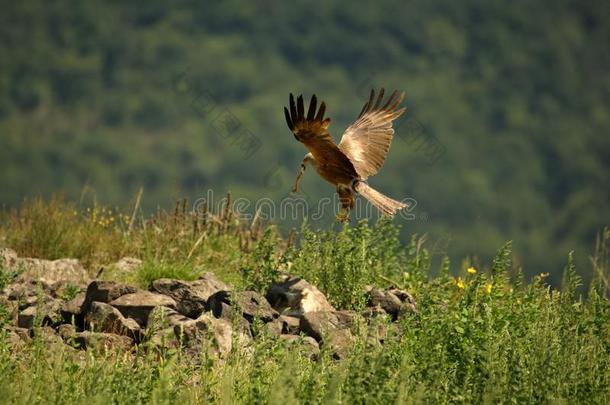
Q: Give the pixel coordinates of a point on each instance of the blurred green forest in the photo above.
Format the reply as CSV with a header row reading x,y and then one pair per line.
x,y
111,96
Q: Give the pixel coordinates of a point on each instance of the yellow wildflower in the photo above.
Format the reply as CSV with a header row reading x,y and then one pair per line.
x,y
488,287
460,283
471,270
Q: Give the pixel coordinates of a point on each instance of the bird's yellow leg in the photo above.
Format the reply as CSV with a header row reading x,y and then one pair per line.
x,y
307,160
297,182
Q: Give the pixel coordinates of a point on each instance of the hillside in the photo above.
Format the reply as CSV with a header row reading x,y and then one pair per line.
x,y
513,99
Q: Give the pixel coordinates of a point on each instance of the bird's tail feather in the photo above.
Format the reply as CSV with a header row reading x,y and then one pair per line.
x,y
383,203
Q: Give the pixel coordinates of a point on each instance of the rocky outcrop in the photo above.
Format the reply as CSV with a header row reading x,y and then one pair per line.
x,y
204,317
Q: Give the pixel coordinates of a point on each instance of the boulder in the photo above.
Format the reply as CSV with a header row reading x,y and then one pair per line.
x,y
101,340
139,304
71,311
409,305
250,305
47,335
385,300
11,308
16,336
290,324
306,344
105,291
191,296
8,259
53,273
164,317
46,313
66,331
331,329
127,265
295,296
320,324
206,332
274,328
105,318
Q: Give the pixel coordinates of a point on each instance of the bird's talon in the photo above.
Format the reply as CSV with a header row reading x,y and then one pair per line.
x,y
342,216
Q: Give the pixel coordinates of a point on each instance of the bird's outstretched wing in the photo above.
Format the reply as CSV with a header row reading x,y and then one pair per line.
x,y
312,131
367,140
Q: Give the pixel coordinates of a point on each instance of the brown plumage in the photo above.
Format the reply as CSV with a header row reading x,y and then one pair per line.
x,y
360,154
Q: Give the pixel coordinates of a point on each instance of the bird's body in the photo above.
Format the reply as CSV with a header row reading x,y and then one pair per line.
x,y
360,154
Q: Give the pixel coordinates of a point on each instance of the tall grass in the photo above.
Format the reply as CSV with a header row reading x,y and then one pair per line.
x,y
480,336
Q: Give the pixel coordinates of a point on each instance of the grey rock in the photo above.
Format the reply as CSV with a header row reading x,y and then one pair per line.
x,y
53,273
373,312
17,336
249,304
385,300
307,344
163,340
290,324
47,313
139,304
71,311
274,328
100,340
330,329
191,296
8,259
47,335
207,332
12,307
105,318
127,265
105,291
321,324
164,317
66,331
295,296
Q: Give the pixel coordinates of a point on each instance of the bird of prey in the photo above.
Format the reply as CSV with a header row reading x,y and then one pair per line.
x,y
360,154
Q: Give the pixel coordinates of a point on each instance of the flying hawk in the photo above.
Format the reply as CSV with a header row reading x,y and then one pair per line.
x,y
360,154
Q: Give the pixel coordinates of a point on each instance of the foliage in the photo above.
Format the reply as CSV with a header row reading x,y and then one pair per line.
x,y
515,93
478,337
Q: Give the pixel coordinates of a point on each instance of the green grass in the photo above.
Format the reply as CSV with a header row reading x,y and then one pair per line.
x,y
480,337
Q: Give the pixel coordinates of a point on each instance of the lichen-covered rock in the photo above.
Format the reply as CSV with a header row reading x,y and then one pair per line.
x,y
71,311
138,305
295,296
191,296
